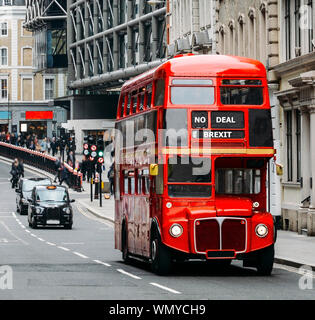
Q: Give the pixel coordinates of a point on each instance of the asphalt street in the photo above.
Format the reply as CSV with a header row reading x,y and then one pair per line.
x,y
54,263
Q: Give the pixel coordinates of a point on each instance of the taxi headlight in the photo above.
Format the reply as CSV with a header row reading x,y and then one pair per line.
x,y
66,210
39,210
176,230
261,230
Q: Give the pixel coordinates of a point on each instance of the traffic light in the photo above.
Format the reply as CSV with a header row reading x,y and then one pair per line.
x,y
100,150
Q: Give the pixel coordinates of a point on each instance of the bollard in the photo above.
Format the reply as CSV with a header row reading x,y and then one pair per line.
x,y
96,186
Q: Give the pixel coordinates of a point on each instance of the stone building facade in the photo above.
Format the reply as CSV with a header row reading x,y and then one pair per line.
x,y
23,90
296,97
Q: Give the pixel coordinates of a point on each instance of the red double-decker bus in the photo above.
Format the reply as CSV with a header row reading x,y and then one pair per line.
x,y
193,141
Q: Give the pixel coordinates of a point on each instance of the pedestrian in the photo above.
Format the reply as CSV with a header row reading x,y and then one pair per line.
x,y
71,158
43,146
84,168
15,173
48,145
53,145
21,168
58,169
110,176
64,175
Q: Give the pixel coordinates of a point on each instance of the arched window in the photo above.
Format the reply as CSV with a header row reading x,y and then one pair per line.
x,y
263,34
241,36
231,38
251,34
221,40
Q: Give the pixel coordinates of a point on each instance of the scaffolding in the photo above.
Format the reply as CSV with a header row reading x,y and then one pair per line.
x,y
110,41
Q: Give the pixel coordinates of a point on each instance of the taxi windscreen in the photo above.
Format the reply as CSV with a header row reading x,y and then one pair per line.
x,y
56,195
28,185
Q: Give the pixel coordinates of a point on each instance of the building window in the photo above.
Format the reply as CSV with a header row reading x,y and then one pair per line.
x,y
7,2
287,29
3,29
49,89
297,17
298,144
4,56
310,24
289,145
4,89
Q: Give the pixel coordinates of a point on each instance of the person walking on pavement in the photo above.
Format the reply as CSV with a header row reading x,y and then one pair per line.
x,y
43,146
58,169
71,158
48,145
64,175
53,145
110,176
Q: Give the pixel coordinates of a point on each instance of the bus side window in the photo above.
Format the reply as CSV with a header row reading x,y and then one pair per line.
x,y
126,183
159,180
139,181
147,184
132,185
148,96
122,105
128,106
141,103
159,92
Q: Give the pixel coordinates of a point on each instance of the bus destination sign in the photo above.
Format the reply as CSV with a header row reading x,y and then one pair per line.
x,y
218,134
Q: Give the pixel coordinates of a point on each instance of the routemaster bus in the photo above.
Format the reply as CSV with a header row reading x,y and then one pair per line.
x,y
193,141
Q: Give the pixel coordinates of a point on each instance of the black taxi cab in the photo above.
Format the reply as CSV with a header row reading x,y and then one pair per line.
x,y
24,191
50,206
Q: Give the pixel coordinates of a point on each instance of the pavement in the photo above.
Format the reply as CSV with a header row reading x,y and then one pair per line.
x,y
291,249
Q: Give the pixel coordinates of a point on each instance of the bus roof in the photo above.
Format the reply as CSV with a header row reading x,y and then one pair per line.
x,y
204,66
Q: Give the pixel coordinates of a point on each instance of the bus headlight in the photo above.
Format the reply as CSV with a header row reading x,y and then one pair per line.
x,y
176,230
168,205
261,230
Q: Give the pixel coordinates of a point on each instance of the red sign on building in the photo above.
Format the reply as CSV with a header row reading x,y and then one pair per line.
x,y
39,115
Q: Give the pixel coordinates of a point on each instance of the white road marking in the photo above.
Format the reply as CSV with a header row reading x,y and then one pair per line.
x,y
28,231
128,274
103,263
40,239
63,248
16,237
165,288
50,243
288,268
33,235
80,255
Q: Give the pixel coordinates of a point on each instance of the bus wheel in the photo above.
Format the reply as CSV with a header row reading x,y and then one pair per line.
x,y
124,245
264,262
160,256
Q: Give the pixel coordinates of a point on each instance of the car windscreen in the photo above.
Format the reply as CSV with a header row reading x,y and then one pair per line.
x,y
28,185
55,195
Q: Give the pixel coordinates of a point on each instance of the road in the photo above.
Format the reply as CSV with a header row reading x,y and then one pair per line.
x,y
82,264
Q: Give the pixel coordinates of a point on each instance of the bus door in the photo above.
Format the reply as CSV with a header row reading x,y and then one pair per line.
x,y
142,213
128,208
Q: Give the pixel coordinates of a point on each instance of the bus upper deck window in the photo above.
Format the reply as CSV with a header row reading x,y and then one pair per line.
x,y
192,92
175,125
241,92
159,92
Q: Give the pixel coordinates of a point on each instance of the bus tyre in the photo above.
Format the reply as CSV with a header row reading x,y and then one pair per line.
x,y
124,245
264,262
160,256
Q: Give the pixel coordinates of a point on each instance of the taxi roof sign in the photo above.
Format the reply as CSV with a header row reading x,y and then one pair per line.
x,y
51,187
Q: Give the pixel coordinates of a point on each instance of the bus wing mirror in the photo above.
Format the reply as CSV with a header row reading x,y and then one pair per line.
x,y
154,169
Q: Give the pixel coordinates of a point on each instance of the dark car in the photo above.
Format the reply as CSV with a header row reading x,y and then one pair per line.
x,y
50,205
24,191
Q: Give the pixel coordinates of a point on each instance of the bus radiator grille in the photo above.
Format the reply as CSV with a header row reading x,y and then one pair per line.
x,y
207,235
233,234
